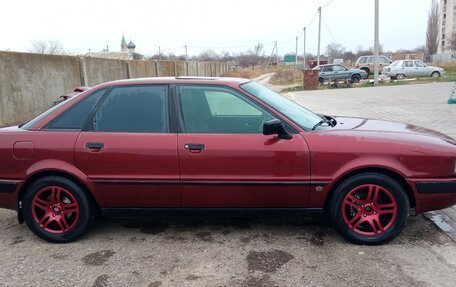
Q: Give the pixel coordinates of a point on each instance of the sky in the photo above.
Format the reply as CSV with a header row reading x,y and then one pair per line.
x,y
233,26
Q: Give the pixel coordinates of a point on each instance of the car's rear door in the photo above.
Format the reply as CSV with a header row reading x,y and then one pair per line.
x,y
129,150
226,161
408,68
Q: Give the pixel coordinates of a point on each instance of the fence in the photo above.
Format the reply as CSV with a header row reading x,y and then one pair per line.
x,y
29,83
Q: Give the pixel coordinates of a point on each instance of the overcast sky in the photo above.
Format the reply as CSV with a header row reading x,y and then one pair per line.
x,y
81,25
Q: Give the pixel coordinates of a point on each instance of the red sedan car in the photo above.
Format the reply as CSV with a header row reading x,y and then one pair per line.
x,y
147,146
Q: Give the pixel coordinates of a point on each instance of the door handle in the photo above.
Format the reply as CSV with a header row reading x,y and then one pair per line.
x,y
95,146
195,148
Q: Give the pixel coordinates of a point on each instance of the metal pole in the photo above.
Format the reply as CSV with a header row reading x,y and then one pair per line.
x,y
319,35
186,56
304,51
296,57
277,56
376,45
159,53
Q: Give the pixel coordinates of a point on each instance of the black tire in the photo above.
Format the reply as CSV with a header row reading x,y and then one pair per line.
x,y
367,71
400,76
77,221
321,81
392,228
435,74
355,78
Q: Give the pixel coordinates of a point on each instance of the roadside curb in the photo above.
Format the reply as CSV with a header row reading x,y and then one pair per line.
x,y
444,222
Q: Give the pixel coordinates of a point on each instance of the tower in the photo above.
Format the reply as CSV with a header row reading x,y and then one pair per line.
x,y
123,44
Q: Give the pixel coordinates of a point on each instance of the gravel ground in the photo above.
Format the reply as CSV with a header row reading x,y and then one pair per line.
x,y
195,251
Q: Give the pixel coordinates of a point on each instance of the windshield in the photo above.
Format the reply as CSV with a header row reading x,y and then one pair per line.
x,y
298,114
394,63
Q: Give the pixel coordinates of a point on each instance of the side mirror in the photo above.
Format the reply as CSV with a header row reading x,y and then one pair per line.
x,y
275,126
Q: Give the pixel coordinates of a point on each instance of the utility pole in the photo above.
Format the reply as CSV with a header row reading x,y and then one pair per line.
x,y
296,57
319,34
159,53
277,56
186,56
272,54
376,45
304,51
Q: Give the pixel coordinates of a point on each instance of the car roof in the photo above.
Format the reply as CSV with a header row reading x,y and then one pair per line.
x,y
178,80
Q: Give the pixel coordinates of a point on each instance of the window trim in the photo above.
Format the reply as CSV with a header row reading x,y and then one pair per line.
x,y
180,116
89,128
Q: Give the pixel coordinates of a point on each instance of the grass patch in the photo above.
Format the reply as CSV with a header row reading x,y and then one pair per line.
x,y
286,77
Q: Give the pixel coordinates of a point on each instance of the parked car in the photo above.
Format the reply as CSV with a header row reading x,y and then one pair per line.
x,y
411,68
66,96
179,145
366,63
332,72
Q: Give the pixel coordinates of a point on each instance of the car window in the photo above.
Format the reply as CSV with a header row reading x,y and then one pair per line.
x,y
339,68
210,109
384,60
75,117
371,60
419,64
327,69
407,64
363,60
141,109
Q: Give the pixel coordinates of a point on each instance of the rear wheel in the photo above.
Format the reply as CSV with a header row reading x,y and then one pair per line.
x,y
57,209
369,208
321,81
367,71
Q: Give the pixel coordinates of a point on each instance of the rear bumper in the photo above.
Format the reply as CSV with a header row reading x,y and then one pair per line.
x,y
9,189
434,194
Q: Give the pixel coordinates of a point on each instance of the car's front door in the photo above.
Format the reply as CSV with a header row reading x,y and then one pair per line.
x,y
340,72
226,161
129,151
421,70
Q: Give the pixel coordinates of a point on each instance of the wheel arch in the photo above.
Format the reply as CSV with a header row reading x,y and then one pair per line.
x,y
382,170
55,172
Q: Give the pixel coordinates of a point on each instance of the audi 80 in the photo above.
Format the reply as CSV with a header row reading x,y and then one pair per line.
x,y
146,146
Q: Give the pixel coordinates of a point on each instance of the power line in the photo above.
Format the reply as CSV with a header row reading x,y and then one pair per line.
x,y
329,30
327,4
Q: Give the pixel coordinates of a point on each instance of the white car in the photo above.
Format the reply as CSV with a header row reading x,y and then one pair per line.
x,y
411,68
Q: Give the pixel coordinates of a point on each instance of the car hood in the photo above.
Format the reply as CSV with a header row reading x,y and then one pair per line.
x,y
377,127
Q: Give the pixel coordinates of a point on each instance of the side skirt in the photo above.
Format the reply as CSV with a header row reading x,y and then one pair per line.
x,y
241,212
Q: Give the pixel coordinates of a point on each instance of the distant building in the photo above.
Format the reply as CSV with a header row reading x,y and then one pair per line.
x,y
447,25
126,52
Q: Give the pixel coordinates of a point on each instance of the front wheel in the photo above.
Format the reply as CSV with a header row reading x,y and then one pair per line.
x,y
57,209
435,74
356,78
369,208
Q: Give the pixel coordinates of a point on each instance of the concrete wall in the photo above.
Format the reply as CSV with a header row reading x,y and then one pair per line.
x,y
29,83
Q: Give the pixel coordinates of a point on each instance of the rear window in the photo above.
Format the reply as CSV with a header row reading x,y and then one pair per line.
x,y
363,60
75,117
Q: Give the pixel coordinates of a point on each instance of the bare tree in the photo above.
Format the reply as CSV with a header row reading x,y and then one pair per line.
x,y
334,50
433,24
52,47
208,55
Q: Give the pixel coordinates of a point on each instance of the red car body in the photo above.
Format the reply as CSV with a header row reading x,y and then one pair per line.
x,y
139,171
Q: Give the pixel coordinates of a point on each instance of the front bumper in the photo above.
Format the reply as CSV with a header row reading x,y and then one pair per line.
x,y
433,194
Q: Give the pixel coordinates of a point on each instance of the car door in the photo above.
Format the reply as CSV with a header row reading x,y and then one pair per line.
x,y
129,151
226,161
341,73
408,68
327,72
421,70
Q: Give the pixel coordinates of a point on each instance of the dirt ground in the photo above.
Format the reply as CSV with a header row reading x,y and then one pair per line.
x,y
224,251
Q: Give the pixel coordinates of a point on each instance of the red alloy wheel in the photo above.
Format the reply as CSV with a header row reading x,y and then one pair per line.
x,y
369,209
55,210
